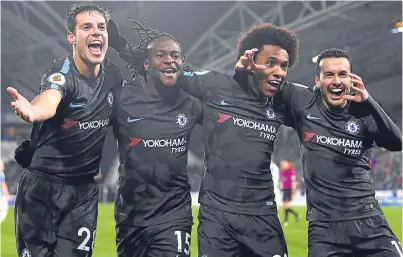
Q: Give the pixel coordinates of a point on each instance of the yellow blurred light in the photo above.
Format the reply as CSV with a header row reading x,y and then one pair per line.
x,y
314,59
398,24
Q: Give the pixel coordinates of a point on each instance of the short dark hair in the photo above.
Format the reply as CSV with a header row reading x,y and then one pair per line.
x,y
76,9
268,34
139,53
332,53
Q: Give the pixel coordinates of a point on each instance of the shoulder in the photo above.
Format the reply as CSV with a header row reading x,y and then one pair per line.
x,y
109,66
112,70
61,65
206,74
58,72
297,87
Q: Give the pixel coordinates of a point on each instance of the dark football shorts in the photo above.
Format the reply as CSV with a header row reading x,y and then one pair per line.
x,y
170,239
224,234
369,237
287,195
54,218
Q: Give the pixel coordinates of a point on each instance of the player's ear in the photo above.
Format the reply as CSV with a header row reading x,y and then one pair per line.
x,y
146,65
317,81
71,37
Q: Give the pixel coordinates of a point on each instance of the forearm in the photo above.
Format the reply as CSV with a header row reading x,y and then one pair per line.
x,y
389,135
241,76
127,53
44,107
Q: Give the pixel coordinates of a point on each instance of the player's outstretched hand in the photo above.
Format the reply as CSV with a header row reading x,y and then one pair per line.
x,y
116,40
362,93
246,62
22,107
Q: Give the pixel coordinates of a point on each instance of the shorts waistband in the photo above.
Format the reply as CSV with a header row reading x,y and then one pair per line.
x,y
88,179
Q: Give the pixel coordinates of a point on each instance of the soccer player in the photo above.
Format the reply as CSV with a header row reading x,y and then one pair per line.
x,y
154,121
57,200
238,212
288,185
338,123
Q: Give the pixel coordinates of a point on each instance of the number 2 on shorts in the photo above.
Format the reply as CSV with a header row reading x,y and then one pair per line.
x,y
187,241
83,246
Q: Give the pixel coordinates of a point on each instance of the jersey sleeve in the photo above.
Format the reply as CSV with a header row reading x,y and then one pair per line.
x,y
380,126
198,106
57,77
294,94
200,84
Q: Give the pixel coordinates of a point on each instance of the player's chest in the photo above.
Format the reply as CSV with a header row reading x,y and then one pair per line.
x,y
154,120
92,98
319,131
242,117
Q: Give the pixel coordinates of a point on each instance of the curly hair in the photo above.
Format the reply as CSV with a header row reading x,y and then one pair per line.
x,y
76,9
268,34
332,53
135,60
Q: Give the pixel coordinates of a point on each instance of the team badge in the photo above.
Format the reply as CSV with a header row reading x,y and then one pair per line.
x,y
270,113
57,78
352,127
181,120
109,98
25,253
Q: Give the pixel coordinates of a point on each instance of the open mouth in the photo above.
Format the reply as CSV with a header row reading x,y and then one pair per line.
x,y
168,71
274,83
336,93
95,47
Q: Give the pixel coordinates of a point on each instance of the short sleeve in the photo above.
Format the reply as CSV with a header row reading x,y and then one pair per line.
x,y
56,77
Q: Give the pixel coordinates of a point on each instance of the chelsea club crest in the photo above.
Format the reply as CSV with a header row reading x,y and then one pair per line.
x,y
270,113
181,120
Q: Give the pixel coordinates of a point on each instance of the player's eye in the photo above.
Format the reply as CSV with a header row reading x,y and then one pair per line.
x,y
271,63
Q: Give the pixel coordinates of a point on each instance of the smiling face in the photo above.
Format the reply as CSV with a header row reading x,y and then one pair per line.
x,y
90,37
164,60
275,59
334,80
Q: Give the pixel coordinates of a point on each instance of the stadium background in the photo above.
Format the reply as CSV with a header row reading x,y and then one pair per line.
x,y
33,34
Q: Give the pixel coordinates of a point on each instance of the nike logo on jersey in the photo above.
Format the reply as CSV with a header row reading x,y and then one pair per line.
x,y
224,103
73,105
310,117
133,120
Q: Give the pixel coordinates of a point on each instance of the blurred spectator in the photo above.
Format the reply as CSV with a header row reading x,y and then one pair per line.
x,y
4,194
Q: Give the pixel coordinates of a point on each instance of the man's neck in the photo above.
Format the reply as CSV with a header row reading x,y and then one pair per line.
x,y
88,70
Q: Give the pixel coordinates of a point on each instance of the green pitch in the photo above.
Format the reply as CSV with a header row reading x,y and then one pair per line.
x,y
296,233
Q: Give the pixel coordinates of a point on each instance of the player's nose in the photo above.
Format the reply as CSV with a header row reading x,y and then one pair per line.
x,y
279,73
